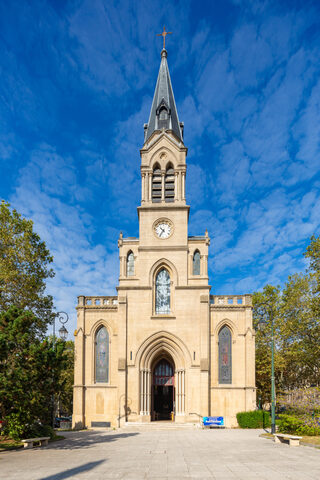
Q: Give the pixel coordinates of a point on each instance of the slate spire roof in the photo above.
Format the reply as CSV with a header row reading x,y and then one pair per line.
x,y
163,112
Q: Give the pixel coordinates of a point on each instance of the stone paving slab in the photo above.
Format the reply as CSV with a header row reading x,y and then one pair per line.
x,y
137,454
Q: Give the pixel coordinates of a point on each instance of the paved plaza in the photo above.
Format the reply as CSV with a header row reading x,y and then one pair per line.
x,y
133,453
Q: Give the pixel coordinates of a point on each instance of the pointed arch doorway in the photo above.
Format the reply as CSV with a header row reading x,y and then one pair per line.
x,y
163,390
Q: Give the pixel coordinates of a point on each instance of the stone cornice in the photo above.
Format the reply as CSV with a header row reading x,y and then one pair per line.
x,y
134,288
231,387
193,287
161,248
165,207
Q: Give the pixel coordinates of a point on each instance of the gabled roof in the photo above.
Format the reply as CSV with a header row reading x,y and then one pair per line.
x,y
163,97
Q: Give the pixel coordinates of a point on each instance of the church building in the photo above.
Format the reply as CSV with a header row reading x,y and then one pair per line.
x,y
164,348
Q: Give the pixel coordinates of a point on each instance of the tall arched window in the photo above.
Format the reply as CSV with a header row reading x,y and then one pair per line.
x,y
196,263
102,355
163,292
169,184
225,355
130,264
156,185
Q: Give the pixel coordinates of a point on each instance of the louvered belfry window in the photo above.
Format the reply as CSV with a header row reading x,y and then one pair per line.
x,y
156,185
169,185
225,355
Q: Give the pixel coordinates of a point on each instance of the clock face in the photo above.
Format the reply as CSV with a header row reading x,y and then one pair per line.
x,y
163,229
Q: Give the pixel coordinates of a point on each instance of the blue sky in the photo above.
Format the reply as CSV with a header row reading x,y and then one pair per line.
x,y
76,85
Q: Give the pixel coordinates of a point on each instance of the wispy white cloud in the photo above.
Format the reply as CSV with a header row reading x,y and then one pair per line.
x,y
76,87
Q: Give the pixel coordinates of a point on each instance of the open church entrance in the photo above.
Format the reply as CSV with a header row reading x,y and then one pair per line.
x,y
163,393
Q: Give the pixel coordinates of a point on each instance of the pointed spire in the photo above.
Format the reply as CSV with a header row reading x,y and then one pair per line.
x,y
163,112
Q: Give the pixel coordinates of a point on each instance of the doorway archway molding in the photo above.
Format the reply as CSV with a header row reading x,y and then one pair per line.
x,y
160,345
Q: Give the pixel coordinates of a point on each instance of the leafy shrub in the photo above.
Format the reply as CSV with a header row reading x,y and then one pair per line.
x,y
13,426
254,419
304,425
38,430
17,426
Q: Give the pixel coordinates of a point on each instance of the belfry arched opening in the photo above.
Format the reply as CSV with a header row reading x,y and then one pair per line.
x,y
163,390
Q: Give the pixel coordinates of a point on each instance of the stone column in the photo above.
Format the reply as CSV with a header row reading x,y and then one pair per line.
x,y
204,354
190,264
205,272
183,185
148,393
180,392
124,266
147,187
202,265
141,392
143,187
122,357
176,179
150,187
121,266
78,418
179,185
183,392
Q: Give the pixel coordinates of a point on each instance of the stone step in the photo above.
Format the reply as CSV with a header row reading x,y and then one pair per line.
x,y
161,425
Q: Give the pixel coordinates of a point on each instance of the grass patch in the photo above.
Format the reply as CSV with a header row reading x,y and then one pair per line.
x,y
56,438
311,440
7,443
305,440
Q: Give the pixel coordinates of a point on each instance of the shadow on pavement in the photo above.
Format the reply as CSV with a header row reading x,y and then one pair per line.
x,y
87,439
73,471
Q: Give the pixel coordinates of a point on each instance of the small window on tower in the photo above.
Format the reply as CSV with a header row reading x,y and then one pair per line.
x,y
130,264
163,118
163,114
196,263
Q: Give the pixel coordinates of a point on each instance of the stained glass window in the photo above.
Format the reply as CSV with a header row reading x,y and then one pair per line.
x,y
163,373
130,264
225,355
196,263
102,355
163,292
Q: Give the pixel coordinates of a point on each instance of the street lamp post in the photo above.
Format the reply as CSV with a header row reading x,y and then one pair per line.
x,y
267,308
63,334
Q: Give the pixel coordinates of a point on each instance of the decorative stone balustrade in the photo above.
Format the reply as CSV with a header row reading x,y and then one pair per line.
x,y
98,302
230,301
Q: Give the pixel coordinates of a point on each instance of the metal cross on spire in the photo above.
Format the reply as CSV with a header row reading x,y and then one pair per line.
x,y
164,34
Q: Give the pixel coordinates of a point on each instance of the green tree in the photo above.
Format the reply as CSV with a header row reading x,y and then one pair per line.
x,y
313,255
270,298
300,333
30,372
24,267
65,388
296,315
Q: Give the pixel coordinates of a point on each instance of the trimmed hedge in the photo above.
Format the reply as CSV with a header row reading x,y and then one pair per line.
x,y
254,419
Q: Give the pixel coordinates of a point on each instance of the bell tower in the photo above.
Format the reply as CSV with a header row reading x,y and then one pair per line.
x,y
163,167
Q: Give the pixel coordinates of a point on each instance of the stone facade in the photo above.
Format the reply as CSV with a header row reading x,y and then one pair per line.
x,y
140,335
